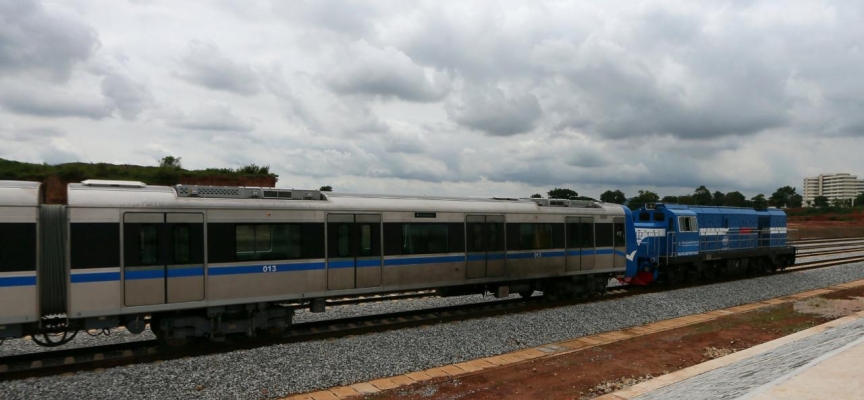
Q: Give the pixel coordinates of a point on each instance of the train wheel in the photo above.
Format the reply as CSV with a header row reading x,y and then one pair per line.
x,y
168,340
273,332
165,337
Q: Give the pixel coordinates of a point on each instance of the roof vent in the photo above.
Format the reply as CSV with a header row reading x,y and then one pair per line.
x,y
240,192
107,183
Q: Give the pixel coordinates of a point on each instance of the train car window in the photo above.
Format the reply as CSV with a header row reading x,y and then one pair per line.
x,y
265,242
392,239
221,243
605,234
477,237
343,240
644,217
535,236
182,244
17,247
312,240
94,245
495,237
245,235
149,247
573,239
658,217
557,236
586,234
620,237
425,238
365,240
456,237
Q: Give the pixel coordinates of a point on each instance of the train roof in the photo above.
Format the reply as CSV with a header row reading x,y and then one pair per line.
x,y
104,194
19,193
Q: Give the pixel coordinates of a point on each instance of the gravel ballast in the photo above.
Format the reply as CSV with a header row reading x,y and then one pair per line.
x,y
292,368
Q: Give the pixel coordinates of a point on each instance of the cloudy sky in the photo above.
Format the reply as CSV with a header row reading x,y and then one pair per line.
x,y
457,98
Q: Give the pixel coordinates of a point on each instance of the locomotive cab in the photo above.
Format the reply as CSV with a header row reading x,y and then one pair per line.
x,y
662,231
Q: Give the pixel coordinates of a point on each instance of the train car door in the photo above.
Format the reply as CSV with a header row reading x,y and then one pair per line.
x,y
580,243
353,251
163,258
485,246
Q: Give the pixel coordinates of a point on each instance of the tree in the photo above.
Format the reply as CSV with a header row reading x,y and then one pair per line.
x,y
254,169
170,162
759,201
780,198
718,199
670,199
645,196
702,196
859,200
616,197
795,200
820,201
536,196
326,189
686,199
561,193
734,199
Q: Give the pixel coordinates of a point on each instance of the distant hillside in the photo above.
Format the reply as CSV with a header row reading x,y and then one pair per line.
x,y
56,177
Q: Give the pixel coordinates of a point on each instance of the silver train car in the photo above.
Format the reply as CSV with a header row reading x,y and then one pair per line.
x,y
210,261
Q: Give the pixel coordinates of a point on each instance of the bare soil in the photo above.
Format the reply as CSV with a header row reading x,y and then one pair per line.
x,y
827,226
604,369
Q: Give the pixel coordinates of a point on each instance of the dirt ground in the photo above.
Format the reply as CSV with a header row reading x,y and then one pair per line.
x,y
605,369
829,226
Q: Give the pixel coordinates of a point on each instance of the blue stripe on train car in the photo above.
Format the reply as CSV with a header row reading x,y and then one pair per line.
x,y
422,260
11,281
95,277
186,272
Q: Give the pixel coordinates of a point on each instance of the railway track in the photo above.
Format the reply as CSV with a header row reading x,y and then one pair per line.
x,y
65,361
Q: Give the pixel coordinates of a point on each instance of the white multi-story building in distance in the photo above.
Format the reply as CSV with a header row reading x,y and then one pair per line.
x,y
832,186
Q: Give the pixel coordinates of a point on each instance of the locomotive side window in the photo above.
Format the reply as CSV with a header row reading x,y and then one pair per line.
x,y
605,234
687,224
658,217
644,217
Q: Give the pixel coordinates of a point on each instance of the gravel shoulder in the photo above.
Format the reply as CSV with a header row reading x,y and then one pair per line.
x,y
300,367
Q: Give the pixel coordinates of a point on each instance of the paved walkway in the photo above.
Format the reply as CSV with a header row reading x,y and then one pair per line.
x,y
818,363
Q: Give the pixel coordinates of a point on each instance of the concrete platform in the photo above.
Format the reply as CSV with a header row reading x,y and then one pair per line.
x,y
823,362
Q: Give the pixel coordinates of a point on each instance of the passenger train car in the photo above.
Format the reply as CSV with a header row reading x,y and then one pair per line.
x,y
209,261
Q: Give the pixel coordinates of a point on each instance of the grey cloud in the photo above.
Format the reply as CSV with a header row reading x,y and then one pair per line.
x,y
385,72
211,117
205,65
41,101
32,134
493,112
33,40
130,97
